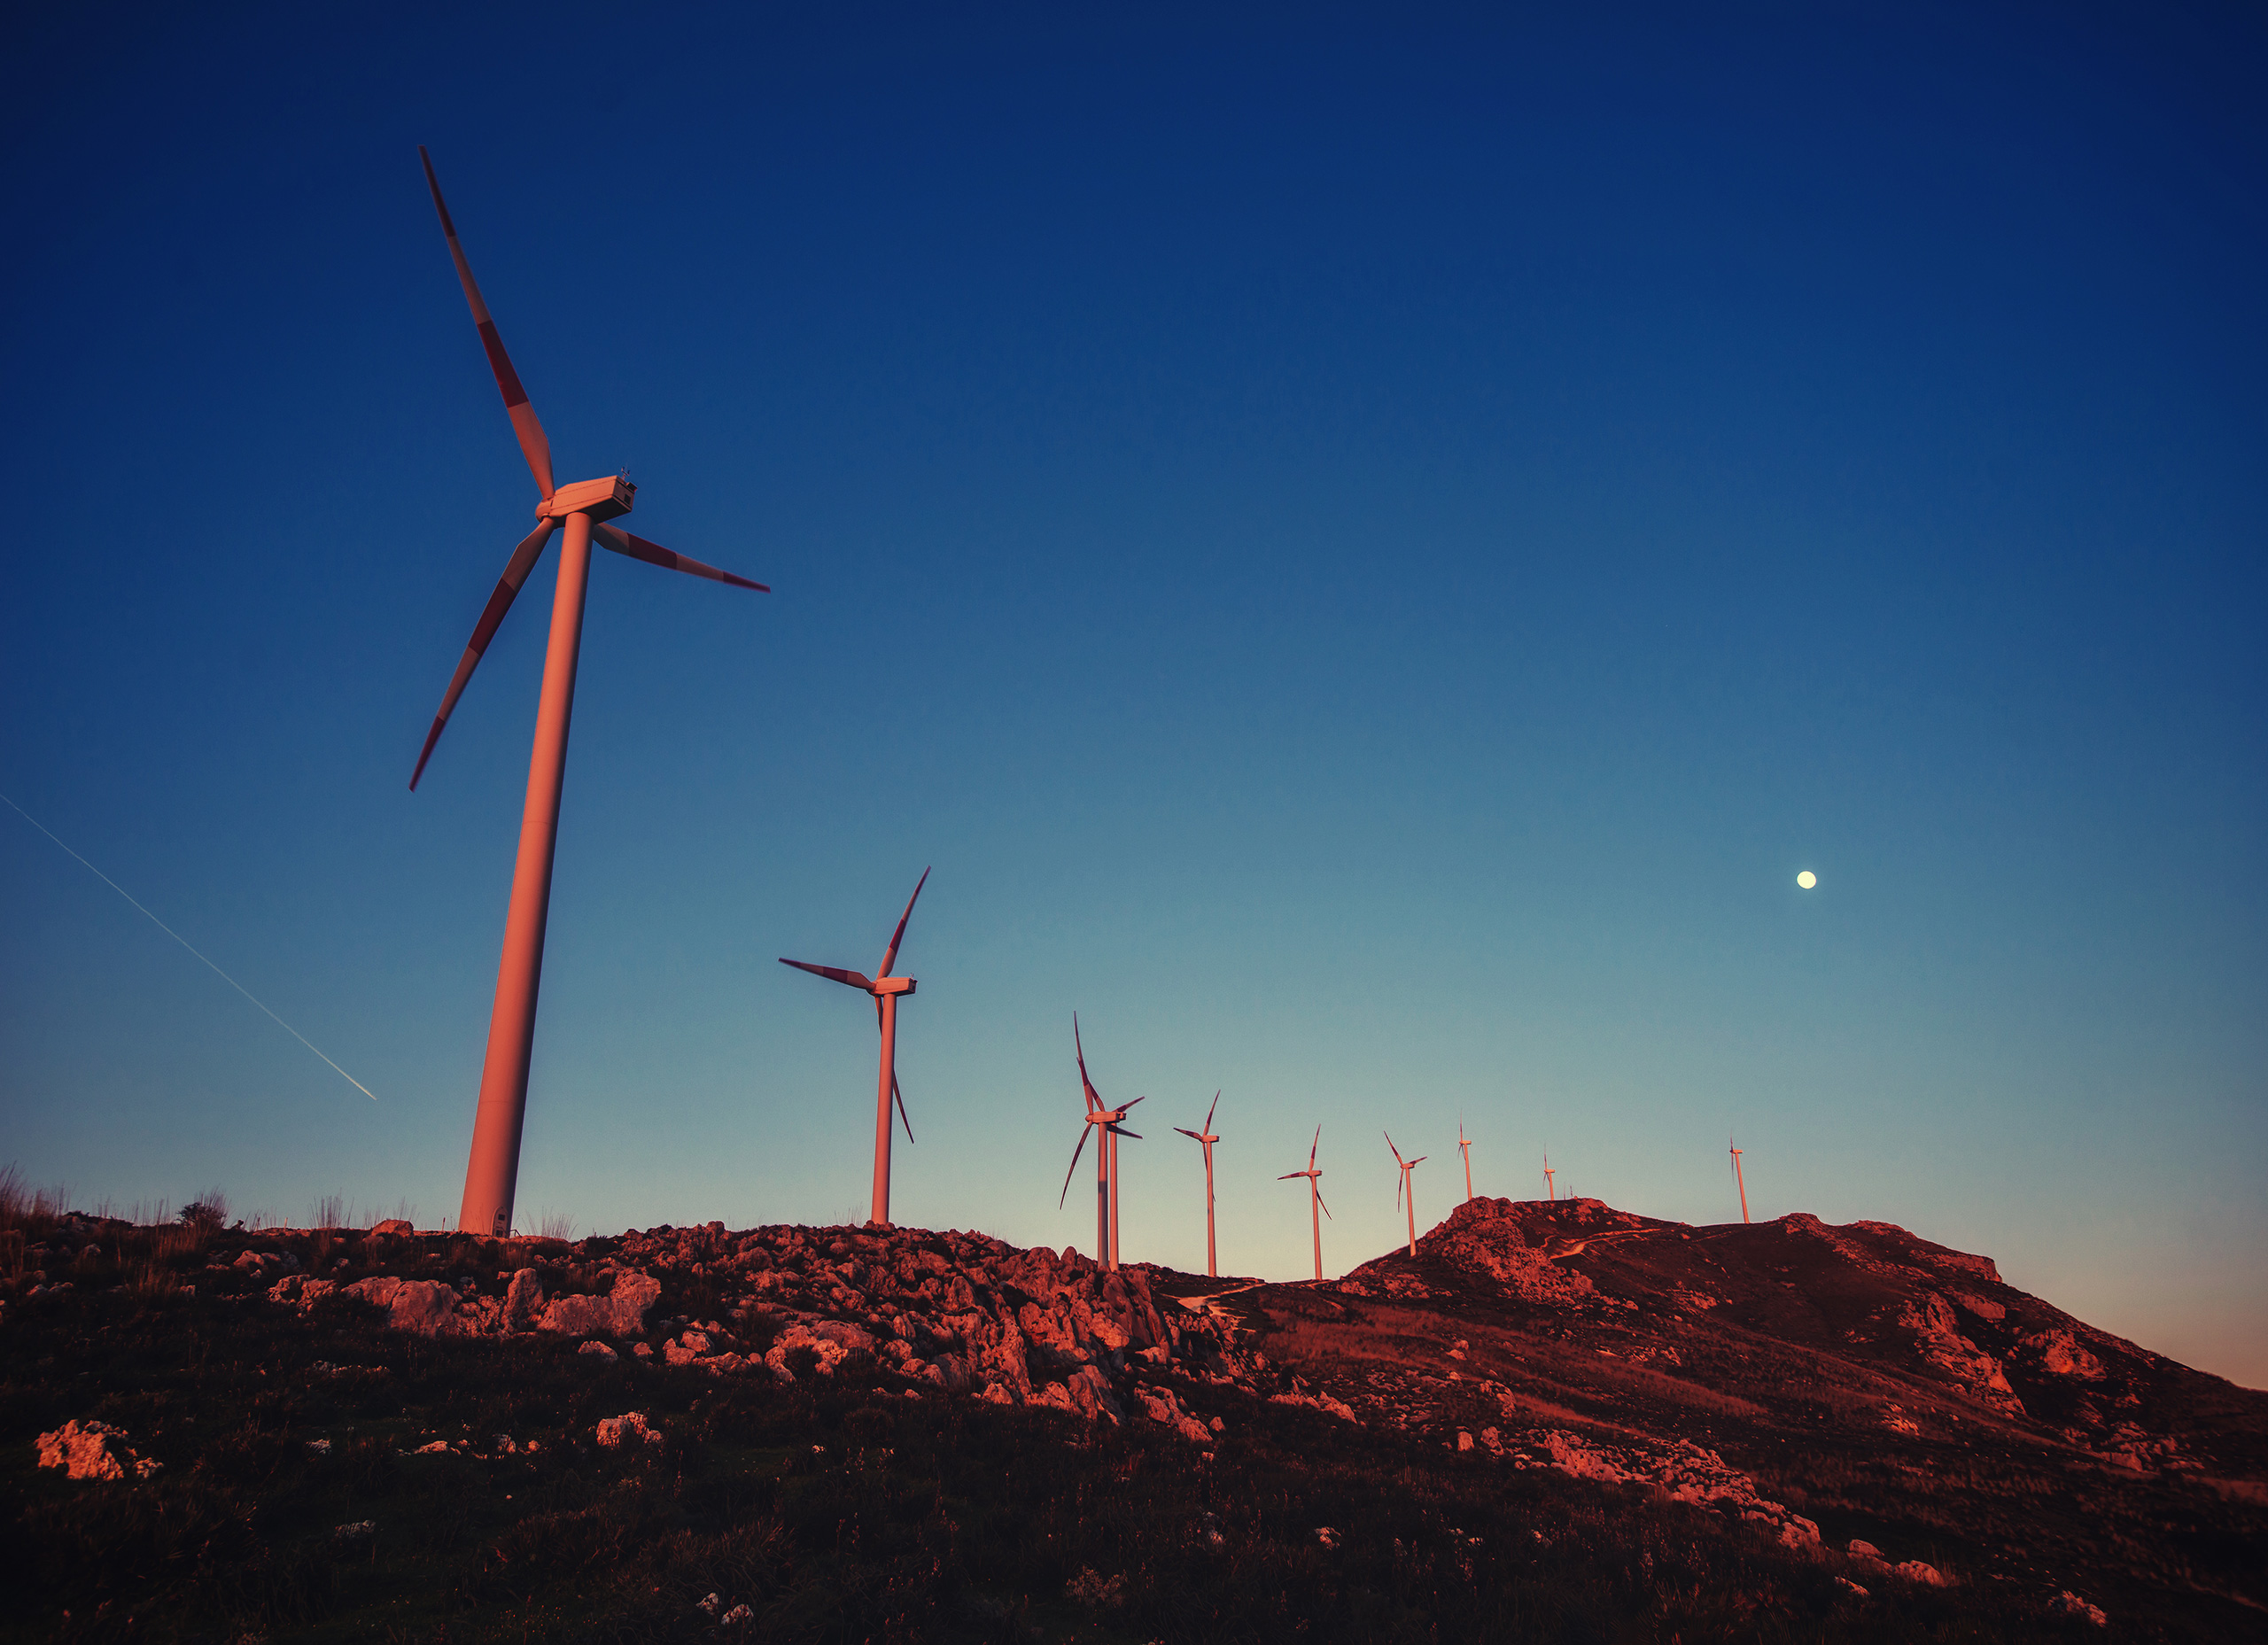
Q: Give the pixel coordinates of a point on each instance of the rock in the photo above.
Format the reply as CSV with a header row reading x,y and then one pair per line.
x,y
739,1616
630,1428
93,1450
1464,1440
599,1350
578,1316
1864,1549
2059,1353
2072,1605
425,1306
523,1301
1854,1586
633,1294
1929,1576
379,1288
393,1225
1161,1406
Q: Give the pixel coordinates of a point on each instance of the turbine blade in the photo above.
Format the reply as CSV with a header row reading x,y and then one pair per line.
x,y
1288,1175
508,589
900,1095
1075,1152
1094,1098
1186,1131
833,974
1390,1148
889,954
1400,1177
533,446
1320,1200
1208,1113
1131,1103
1313,1146
652,554
1120,1130
1419,1161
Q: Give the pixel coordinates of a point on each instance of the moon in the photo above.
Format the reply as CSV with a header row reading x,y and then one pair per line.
x,y
1807,879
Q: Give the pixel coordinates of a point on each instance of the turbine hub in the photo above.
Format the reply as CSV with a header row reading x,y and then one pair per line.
x,y
893,985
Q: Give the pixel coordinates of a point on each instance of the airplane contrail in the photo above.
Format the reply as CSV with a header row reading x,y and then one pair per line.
x,y
185,942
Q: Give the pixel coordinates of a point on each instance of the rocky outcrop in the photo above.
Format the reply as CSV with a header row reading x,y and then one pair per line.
x,y
1493,1239
1937,1339
93,1450
1685,1472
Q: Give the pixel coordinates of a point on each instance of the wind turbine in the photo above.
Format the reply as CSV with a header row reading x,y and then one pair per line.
x,y
584,508
1112,1122
1547,1192
1738,1181
886,989
1464,1147
1405,1189
1205,1139
1314,1199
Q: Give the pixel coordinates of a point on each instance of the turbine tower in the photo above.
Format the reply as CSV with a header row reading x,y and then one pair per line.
x,y
1547,1192
1315,1200
1112,1122
1464,1147
1405,1189
886,989
583,510
1205,1139
1738,1181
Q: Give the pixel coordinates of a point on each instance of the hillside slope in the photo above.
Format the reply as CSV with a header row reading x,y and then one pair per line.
x,y
1556,1423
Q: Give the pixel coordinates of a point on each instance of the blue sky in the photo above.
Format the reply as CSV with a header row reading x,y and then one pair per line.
x,y
1368,547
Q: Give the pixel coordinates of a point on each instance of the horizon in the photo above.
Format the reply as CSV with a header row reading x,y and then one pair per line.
x,y
1369,554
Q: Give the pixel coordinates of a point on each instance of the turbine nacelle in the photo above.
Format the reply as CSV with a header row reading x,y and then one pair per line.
x,y
601,500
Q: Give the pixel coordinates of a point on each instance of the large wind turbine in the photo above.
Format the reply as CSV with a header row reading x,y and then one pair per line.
x,y
1547,1192
886,989
1404,1190
1738,1181
1315,1200
1112,1122
1206,1139
584,508
1464,1147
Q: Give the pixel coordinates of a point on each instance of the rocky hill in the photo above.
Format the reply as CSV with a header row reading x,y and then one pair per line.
x,y
1555,1421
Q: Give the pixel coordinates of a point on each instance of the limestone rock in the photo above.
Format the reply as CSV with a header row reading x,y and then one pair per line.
x,y
524,1301
629,1429
93,1450
425,1306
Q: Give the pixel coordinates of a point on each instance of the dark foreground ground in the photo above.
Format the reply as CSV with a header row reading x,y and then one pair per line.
x,y
326,1474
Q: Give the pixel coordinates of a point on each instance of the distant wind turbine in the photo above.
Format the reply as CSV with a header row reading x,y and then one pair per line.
x,y
886,989
1465,1148
1738,1181
1205,1139
1405,1190
1111,1121
1314,1199
583,509
1547,1192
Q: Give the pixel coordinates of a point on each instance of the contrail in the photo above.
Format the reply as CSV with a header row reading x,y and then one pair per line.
x,y
185,942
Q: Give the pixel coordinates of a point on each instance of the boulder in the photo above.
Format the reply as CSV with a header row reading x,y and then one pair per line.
x,y
629,1429
523,1301
633,1297
93,1450
425,1306
379,1288
393,1225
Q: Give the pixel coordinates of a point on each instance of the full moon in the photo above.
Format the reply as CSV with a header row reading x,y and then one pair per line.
x,y
1807,879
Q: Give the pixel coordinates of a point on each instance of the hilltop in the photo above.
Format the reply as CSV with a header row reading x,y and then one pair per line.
x,y
1556,1420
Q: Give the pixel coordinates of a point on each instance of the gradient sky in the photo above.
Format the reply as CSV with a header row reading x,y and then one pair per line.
x,y
1367,546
